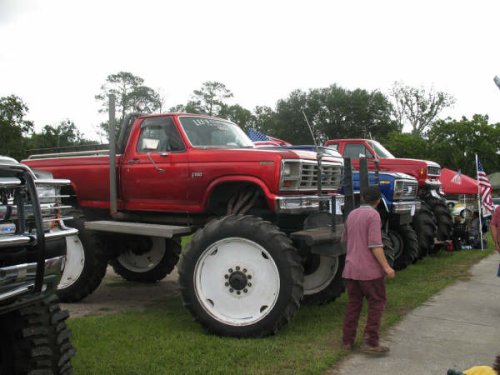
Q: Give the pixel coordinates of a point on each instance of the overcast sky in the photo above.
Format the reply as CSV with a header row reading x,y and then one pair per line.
x,y
55,54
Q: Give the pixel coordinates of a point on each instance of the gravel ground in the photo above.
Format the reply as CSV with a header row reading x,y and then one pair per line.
x,y
117,295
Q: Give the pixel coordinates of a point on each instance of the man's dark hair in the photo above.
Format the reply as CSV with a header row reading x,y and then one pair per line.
x,y
371,194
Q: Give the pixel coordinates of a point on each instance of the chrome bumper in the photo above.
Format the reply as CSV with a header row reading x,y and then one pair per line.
x,y
20,279
299,204
405,207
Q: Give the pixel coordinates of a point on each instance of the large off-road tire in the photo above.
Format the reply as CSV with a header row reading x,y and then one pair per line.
x,y
388,248
146,259
400,258
323,281
35,340
240,276
86,261
425,227
410,241
443,219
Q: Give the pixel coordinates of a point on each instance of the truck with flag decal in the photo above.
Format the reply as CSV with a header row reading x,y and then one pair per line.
x,y
265,237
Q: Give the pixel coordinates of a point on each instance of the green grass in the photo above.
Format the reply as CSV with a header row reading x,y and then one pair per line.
x,y
165,340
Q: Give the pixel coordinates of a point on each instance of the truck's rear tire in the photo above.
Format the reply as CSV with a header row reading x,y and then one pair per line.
x,y
323,279
425,227
150,266
444,221
35,340
86,261
240,276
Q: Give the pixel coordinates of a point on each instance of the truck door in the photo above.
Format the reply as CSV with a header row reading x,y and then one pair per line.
x,y
154,169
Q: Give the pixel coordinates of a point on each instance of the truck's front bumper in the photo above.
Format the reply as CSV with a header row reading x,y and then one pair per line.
x,y
303,204
19,279
406,207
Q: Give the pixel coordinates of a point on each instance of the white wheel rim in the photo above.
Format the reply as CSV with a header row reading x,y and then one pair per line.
x,y
322,276
146,261
74,262
236,281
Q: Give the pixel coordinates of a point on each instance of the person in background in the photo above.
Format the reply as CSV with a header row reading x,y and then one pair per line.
x,y
365,270
495,228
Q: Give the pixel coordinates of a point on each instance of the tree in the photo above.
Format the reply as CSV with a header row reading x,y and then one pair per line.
x,y
129,91
352,114
210,98
239,115
417,107
13,126
454,143
63,135
407,145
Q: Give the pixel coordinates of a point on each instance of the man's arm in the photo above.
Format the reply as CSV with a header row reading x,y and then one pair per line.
x,y
494,236
380,256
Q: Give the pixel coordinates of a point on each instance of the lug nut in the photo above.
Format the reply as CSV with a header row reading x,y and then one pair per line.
x,y
245,290
226,276
237,268
230,270
244,270
249,284
226,284
249,277
238,292
231,290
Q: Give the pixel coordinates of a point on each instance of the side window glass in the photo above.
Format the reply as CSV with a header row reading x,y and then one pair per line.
x,y
356,150
159,134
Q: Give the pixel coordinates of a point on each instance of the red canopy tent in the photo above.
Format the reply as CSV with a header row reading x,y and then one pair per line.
x,y
467,185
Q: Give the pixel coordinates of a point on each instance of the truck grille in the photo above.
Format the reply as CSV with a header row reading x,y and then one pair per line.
x,y
303,176
405,190
433,171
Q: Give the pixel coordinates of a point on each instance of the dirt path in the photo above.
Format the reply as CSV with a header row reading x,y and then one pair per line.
x,y
117,295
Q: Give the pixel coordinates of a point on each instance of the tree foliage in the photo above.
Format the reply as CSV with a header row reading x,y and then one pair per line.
x,y
65,134
13,126
416,107
129,91
454,143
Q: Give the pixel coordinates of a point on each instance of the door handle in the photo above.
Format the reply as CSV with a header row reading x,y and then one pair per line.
x,y
133,161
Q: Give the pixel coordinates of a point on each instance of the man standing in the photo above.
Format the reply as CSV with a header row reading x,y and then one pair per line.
x,y
495,228
364,272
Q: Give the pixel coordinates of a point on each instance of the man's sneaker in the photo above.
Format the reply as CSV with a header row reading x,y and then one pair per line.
x,y
377,350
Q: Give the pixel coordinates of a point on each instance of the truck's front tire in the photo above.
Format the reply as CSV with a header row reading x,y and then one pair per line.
x,y
323,279
35,340
86,261
406,238
240,276
150,266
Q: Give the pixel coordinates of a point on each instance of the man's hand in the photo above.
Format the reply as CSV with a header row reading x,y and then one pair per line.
x,y
389,272
497,247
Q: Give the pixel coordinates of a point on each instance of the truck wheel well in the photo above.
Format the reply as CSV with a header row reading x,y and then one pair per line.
x,y
236,198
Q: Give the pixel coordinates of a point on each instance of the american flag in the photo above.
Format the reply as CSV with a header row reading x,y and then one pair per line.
x,y
457,179
256,136
484,187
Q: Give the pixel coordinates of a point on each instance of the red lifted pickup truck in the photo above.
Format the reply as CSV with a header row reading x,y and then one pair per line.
x,y
265,236
432,221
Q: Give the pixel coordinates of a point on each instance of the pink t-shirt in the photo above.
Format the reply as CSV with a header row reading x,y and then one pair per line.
x,y
362,231
495,220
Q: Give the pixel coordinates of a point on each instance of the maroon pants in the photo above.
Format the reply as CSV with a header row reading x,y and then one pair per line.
x,y
374,292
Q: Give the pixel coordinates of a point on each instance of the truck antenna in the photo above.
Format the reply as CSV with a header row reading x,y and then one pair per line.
x,y
310,129
319,154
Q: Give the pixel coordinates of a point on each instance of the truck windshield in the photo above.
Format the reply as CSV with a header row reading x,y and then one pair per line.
x,y
381,151
213,132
